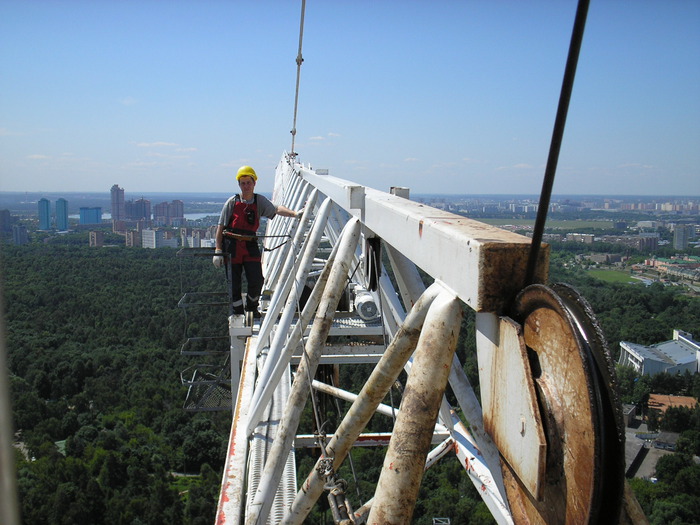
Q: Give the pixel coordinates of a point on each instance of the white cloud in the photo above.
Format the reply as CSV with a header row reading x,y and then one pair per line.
x,y
128,101
159,144
4,132
636,165
521,166
317,137
38,157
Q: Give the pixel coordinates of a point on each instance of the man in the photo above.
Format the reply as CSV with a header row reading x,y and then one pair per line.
x,y
236,236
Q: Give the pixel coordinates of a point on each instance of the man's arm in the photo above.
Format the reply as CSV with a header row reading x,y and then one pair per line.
x,y
219,237
286,212
218,258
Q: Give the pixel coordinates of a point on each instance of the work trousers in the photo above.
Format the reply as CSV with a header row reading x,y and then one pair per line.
x,y
254,276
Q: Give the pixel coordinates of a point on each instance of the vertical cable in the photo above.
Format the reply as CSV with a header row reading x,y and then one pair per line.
x,y
300,60
557,135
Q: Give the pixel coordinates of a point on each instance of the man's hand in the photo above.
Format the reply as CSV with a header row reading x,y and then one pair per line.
x,y
298,214
218,258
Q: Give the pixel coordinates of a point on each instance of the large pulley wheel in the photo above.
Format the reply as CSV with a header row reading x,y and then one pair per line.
x,y
573,375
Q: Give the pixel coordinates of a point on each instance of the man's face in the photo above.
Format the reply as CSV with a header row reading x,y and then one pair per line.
x,y
246,183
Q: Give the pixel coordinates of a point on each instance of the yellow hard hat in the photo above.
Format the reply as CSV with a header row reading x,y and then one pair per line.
x,y
244,171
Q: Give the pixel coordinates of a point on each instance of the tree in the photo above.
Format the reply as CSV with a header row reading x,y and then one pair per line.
x,y
669,465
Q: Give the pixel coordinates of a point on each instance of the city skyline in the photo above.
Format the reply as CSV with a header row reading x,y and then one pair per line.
x,y
443,97
133,208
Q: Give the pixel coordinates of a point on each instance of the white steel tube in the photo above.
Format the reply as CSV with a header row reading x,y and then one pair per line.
x,y
295,337
291,268
404,463
378,384
281,256
337,280
407,277
280,226
274,365
468,402
439,452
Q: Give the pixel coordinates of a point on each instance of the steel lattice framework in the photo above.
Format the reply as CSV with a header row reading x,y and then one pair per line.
x,y
333,298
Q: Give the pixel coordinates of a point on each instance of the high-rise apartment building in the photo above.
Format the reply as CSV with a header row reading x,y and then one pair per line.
x,y
19,234
91,215
5,221
169,213
137,210
44,214
118,206
62,215
133,238
97,239
681,236
157,239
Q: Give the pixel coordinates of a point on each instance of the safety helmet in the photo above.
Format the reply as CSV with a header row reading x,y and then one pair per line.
x,y
244,171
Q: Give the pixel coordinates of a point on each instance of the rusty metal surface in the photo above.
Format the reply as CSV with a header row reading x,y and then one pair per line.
x,y
511,414
230,507
562,380
404,463
610,489
581,467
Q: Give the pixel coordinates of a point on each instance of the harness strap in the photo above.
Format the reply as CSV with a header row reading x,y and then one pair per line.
x,y
238,236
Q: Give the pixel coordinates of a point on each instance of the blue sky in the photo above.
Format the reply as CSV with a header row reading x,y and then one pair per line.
x,y
440,96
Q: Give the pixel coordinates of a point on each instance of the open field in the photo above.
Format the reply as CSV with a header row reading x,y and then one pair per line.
x,y
570,225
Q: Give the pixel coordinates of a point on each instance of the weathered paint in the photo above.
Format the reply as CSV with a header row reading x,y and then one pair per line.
x,y
400,478
489,262
511,414
378,384
231,496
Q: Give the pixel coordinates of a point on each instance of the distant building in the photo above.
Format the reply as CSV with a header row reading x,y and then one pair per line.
x,y
5,221
157,239
604,258
91,215
118,207
62,215
654,225
133,239
97,239
138,210
648,241
585,238
195,238
19,235
44,214
677,355
666,440
686,267
681,236
169,213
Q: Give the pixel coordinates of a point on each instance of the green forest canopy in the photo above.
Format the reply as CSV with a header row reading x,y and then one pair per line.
x,y
93,338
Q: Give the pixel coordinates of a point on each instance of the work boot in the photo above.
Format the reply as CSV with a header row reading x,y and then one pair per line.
x,y
252,307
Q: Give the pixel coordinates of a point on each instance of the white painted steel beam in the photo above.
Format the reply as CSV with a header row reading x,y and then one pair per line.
x,y
483,264
367,439
232,495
